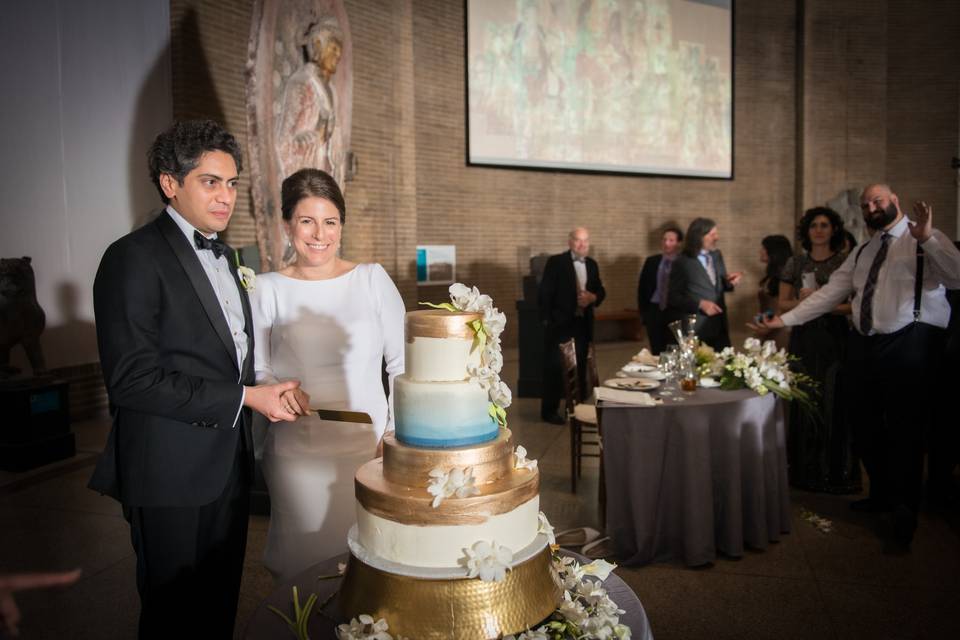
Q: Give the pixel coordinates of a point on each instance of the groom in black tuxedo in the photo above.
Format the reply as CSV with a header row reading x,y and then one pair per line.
x,y
176,347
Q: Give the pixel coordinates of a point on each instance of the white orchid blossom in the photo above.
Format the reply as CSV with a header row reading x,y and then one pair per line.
x,y
487,560
520,461
452,482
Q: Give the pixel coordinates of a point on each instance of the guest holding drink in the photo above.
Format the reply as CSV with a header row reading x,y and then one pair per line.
x,y
819,447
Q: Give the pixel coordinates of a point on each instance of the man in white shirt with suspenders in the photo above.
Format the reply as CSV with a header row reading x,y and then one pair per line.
x,y
898,280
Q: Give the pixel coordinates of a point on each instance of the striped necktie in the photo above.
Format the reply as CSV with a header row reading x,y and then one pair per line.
x,y
870,286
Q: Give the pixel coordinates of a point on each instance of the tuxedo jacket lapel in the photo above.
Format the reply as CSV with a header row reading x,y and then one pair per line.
x,y
187,257
245,372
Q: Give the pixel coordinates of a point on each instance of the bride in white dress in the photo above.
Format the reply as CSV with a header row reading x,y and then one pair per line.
x,y
328,323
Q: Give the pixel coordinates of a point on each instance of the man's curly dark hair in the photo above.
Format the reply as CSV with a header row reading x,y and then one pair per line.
x,y
177,151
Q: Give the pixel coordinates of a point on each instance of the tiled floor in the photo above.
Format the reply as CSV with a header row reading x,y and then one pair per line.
x,y
810,585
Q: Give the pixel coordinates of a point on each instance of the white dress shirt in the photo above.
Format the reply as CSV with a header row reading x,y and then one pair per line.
x,y
580,267
894,293
221,278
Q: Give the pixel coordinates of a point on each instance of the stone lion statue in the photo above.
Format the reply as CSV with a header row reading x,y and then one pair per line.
x,y
21,318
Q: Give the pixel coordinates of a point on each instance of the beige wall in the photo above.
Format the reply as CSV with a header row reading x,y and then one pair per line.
x,y
828,96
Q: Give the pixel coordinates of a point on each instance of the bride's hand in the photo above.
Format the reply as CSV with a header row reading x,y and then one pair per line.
x,y
297,401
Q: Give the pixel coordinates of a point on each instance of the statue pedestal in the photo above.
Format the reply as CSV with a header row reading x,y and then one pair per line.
x,y
35,429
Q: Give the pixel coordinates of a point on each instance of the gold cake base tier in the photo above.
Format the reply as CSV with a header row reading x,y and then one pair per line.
x,y
462,608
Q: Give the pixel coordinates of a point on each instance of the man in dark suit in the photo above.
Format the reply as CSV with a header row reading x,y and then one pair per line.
x,y
698,281
176,347
569,291
653,286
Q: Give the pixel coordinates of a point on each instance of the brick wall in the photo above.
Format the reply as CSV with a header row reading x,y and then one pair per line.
x,y
870,93
844,98
923,105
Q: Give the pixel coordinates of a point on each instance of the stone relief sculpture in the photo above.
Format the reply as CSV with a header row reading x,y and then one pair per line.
x,y
22,320
299,97
847,204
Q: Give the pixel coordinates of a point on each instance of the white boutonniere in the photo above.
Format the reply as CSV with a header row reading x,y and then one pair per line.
x,y
247,277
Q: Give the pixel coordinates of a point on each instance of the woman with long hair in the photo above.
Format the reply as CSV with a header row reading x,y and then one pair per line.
x,y
819,447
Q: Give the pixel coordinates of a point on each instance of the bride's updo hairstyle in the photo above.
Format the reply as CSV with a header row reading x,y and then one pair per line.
x,y
310,183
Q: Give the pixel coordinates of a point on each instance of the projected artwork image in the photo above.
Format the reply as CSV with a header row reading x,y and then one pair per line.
x,y
636,86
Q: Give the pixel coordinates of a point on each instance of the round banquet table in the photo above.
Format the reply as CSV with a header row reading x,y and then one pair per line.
x,y
264,624
686,480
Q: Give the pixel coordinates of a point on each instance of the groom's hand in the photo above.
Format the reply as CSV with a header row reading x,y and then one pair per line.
x,y
266,399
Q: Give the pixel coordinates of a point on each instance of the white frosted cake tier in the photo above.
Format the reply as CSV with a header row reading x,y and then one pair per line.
x,y
440,359
441,414
443,545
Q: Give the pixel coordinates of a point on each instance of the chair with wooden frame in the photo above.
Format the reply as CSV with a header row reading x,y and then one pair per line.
x,y
584,429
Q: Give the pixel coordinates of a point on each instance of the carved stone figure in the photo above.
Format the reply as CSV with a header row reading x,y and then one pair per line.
x,y
21,318
299,97
307,118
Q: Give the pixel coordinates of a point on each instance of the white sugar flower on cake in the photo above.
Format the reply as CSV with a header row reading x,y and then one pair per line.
x,y
364,628
520,459
452,482
488,560
546,529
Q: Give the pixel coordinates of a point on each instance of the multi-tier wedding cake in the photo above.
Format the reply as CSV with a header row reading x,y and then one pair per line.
x,y
449,541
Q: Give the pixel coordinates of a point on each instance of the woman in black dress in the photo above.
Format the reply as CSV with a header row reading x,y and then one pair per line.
x,y
819,448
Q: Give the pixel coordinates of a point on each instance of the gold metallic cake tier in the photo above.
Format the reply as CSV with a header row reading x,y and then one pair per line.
x,y
412,505
464,608
439,323
411,466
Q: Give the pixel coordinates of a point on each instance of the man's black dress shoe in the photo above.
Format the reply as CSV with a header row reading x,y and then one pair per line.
x,y
554,419
869,505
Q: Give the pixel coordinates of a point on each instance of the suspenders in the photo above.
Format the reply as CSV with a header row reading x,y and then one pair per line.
x,y
918,280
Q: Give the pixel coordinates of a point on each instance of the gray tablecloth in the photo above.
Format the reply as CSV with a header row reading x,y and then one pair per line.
x,y
267,625
686,480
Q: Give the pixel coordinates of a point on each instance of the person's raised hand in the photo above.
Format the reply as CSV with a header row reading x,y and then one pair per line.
x,y
266,399
921,227
710,308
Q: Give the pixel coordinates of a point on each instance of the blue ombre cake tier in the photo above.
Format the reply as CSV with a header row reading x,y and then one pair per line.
x,y
441,414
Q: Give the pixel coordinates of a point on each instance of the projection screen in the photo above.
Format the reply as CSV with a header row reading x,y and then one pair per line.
x,y
625,86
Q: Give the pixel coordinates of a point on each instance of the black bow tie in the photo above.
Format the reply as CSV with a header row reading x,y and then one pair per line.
x,y
219,247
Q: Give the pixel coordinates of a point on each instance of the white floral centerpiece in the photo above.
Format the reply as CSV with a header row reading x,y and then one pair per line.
x,y
586,610
761,367
487,331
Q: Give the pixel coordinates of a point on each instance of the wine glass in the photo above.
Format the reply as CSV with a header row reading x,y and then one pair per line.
x,y
669,358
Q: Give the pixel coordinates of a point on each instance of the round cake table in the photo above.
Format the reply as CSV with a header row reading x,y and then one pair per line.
x,y
266,624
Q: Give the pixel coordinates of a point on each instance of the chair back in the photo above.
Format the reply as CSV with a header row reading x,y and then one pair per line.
x,y
593,379
571,382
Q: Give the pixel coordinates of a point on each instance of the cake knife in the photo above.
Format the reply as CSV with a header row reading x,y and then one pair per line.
x,y
338,415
